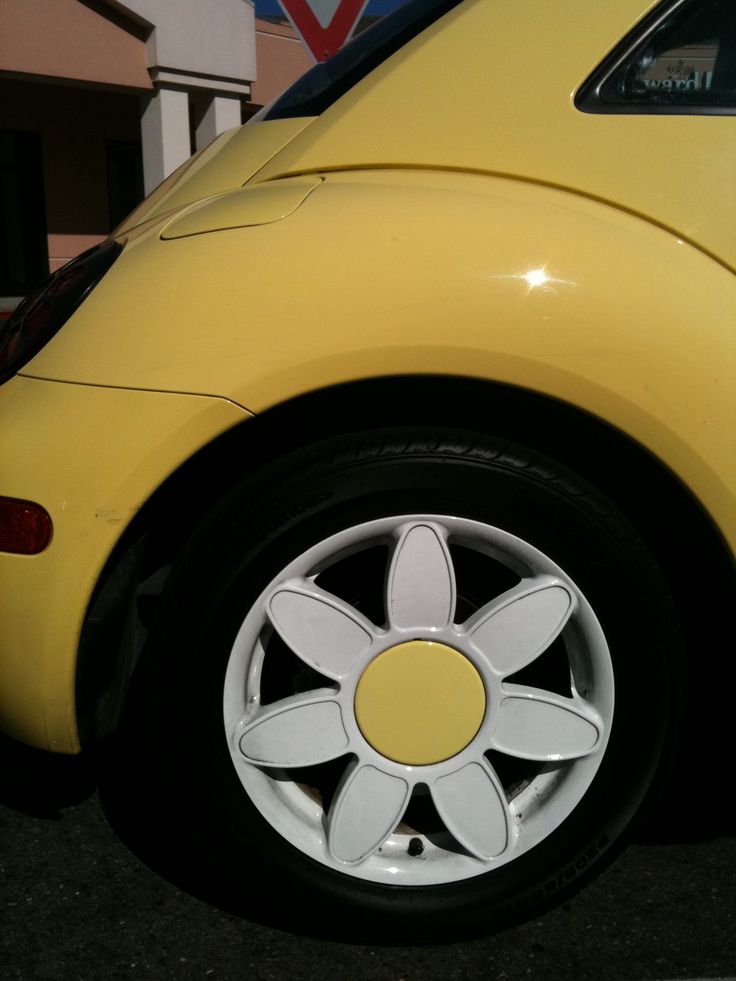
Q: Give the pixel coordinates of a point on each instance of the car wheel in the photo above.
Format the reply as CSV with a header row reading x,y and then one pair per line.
x,y
427,675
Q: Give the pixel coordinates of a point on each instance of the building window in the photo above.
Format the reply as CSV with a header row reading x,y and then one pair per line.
x,y
124,178
24,256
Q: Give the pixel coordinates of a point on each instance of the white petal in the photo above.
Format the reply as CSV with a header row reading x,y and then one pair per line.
x,y
327,634
298,731
421,580
472,804
515,629
540,725
365,811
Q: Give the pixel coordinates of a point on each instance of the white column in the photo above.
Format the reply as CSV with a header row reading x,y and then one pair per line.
x,y
165,134
221,112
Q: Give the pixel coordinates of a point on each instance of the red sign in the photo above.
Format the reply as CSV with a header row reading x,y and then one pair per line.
x,y
324,25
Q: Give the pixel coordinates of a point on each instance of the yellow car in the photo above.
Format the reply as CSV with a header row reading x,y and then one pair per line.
x,y
389,446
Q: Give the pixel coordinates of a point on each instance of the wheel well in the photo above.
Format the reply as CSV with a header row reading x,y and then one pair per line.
x,y
695,559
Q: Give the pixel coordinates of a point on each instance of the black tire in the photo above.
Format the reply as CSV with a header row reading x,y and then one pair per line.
x,y
279,514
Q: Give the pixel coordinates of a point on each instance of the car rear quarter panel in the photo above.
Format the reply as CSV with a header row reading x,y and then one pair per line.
x,y
92,457
396,273
490,88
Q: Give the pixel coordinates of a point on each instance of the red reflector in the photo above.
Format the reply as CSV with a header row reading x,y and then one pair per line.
x,y
25,527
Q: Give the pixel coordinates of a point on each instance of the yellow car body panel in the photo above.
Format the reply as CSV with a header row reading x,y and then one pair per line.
x,y
227,163
494,92
104,453
241,208
396,273
452,214
400,434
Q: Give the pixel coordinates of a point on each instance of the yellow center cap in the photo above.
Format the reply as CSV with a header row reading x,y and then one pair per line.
x,y
420,703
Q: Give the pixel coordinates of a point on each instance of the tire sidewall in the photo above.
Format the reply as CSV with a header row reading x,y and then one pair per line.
x,y
265,522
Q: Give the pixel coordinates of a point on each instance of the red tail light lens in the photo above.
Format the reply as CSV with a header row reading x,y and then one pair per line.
x,y
25,527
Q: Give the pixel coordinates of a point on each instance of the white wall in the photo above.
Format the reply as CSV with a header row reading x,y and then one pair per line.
x,y
205,48
200,37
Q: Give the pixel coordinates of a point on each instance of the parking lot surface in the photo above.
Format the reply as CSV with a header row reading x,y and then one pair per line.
x,y
81,900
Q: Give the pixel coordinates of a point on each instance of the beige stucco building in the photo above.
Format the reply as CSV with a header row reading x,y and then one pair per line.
x,y
101,99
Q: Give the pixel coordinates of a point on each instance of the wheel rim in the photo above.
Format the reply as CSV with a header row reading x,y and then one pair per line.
x,y
504,761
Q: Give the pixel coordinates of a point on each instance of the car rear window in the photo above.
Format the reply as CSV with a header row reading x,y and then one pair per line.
x,y
316,90
685,62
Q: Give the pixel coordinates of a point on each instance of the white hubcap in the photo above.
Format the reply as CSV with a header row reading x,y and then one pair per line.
x,y
421,707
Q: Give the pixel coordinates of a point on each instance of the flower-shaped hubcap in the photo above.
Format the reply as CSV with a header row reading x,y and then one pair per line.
x,y
419,702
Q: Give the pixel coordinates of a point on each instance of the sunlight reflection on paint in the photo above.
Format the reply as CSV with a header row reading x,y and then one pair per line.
x,y
536,277
539,279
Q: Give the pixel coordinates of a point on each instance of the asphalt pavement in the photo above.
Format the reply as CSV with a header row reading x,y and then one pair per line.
x,y
81,901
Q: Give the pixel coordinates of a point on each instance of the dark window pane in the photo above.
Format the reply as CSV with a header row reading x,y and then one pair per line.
x,y
24,256
686,63
124,178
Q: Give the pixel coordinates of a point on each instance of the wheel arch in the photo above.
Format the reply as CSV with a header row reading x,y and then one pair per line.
x,y
640,485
